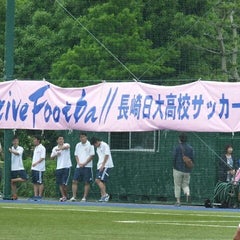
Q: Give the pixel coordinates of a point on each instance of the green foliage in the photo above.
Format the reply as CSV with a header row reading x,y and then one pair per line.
x,y
43,33
119,27
39,41
2,31
154,39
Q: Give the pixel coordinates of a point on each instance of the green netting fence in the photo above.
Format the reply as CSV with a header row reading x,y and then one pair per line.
x,y
143,165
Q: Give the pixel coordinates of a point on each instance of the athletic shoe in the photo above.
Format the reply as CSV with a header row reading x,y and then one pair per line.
x,y
104,198
63,199
73,199
37,198
83,200
31,199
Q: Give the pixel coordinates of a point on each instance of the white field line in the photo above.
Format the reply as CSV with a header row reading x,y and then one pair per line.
x,y
79,209
182,223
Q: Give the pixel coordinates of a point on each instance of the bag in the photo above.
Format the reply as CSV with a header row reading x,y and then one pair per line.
x,y
188,162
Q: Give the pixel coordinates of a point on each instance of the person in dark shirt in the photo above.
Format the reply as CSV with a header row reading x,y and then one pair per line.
x,y
181,173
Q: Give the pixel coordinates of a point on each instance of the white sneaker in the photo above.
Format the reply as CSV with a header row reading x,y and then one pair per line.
x,y
100,200
83,200
73,199
104,198
62,199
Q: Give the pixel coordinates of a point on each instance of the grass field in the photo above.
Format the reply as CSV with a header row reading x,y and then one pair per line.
x,y
45,221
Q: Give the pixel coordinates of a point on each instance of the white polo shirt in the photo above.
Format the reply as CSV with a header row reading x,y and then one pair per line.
x,y
16,160
84,151
38,153
64,158
102,151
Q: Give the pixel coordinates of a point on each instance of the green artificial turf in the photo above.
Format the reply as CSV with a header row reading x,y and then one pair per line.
x,y
32,221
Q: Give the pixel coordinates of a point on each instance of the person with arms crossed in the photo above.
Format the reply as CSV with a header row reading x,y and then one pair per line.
x,y
104,165
18,173
84,153
61,152
38,168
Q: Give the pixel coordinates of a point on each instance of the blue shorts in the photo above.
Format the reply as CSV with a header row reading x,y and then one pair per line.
x,y
62,176
19,174
83,174
103,175
37,177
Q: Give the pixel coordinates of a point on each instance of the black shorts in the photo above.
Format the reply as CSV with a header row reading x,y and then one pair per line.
x,y
37,177
19,174
62,176
83,174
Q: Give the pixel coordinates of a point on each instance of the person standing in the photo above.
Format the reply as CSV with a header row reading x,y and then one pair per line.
x,y
38,168
104,165
181,173
227,165
84,153
61,152
18,173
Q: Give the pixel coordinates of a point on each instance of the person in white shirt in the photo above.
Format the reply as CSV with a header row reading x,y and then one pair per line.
x,y
105,163
38,168
84,153
18,173
61,152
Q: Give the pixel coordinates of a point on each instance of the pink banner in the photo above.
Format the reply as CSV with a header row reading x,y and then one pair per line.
x,y
128,106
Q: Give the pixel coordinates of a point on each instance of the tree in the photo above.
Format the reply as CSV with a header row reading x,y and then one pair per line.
x,y
2,35
174,27
35,47
149,40
119,27
213,41
222,37
43,33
